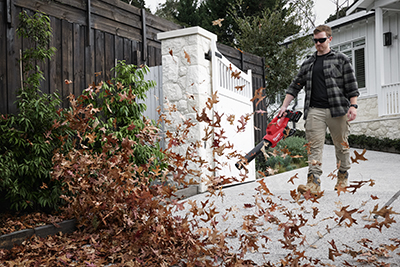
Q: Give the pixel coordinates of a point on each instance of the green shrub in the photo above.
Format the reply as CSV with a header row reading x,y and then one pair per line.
x,y
288,155
28,139
120,114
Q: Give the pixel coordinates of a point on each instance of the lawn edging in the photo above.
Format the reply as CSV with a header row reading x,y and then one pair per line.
x,y
7,241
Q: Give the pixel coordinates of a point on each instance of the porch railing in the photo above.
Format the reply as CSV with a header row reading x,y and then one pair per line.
x,y
391,99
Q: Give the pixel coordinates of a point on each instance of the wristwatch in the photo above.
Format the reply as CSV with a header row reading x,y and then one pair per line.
x,y
354,106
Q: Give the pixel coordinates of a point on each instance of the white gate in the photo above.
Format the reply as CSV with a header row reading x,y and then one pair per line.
x,y
234,90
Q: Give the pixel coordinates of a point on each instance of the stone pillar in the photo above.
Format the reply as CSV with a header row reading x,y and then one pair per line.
x,y
187,84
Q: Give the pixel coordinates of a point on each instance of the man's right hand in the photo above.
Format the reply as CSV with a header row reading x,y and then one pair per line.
x,y
282,111
285,105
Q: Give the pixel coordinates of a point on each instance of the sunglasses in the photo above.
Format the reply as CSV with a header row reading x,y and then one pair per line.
x,y
320,40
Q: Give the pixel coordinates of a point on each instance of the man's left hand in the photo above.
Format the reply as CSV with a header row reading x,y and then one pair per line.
x,y
352,113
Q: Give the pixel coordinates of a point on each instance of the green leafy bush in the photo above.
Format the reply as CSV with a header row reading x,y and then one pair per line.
x,y
28,139
289,154
119,113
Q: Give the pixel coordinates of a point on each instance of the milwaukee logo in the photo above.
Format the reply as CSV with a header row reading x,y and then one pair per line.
x,y
278,137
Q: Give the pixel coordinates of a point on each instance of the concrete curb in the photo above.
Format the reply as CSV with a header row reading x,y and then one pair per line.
x,y
9,240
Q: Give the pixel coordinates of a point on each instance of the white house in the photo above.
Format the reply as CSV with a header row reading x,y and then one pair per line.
x,y
369,35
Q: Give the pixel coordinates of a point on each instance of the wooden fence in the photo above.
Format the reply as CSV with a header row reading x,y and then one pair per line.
x,y
90,36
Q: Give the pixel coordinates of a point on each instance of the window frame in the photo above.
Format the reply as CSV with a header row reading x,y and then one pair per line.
x,y
350,47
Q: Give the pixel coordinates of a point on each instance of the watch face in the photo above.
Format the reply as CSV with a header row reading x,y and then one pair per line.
x,y
354,105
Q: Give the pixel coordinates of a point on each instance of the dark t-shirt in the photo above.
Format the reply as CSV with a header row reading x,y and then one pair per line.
x,y
319,95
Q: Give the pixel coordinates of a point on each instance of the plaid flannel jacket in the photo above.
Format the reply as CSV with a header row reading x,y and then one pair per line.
x,y
340,80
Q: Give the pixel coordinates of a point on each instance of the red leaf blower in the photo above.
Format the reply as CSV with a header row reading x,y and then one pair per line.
x,y
276,130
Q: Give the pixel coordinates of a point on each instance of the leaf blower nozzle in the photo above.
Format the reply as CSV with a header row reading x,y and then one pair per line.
x,y
277,130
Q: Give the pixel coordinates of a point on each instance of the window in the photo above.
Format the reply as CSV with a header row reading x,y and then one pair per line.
x,y
356,52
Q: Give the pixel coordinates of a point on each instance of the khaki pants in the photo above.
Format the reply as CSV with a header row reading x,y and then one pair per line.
x,y
318,120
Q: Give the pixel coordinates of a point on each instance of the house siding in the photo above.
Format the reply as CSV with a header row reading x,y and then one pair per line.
x,y
368,121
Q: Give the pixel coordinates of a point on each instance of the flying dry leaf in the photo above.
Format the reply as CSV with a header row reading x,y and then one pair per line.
x,y
91,137
44,186
240,87
231,119
293,177
358,156
264,187
172,54
340,189
243,123
217,22
379,225
345,214
213,100
258,95
236,74
271,171
345,145
187,56
315,212
314,162
67,81
203,117
308,147
333,252
260,111
383,211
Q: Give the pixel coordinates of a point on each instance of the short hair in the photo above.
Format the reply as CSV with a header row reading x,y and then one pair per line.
x,y
323,28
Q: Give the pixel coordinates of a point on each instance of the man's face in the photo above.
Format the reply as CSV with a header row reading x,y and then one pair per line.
x,y
323,47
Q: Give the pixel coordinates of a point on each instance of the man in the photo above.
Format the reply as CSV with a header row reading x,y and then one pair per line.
x,y
331,102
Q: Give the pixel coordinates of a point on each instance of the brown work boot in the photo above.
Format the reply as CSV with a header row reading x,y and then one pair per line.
x,y
313,184
342,179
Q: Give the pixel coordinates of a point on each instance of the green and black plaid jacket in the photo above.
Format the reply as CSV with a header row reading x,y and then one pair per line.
x,y
340,80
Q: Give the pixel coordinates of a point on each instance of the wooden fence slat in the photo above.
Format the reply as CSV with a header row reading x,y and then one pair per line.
x,y
67,61
78,81
120,16
9,5
3,63
13,70
76,14
110,54
118,4
144,36
119,48
89,23
89,59
127,51
99,56
109,26
56,62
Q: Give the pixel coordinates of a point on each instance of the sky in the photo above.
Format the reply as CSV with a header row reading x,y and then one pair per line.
x,y
323,8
